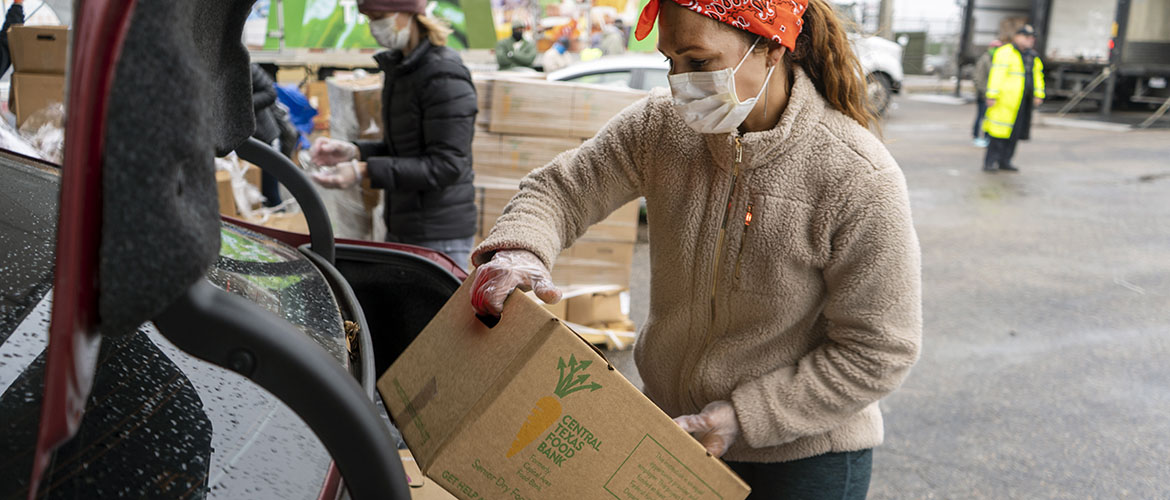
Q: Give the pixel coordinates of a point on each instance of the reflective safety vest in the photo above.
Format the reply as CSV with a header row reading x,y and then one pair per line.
x,y
1005,84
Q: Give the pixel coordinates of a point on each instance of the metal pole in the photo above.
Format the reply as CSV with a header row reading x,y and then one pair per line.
x,y
1119,29
886,19
964,41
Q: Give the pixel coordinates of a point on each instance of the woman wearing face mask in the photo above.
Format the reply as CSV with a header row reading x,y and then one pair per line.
x,y
785,272
428,116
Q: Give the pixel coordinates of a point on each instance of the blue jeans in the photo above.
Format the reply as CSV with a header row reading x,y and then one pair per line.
x,y
832,476
980,112
459,249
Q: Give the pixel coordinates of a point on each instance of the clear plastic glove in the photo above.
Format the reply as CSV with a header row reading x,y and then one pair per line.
x,y
716,427
507,271
327,152
343,176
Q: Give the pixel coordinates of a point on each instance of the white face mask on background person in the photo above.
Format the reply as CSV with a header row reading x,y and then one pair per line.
x,y
706,99
387,34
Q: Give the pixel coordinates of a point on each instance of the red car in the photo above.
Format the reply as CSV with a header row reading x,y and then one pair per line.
x,y
246,372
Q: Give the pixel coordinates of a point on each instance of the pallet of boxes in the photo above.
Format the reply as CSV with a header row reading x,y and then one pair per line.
x,y
523,124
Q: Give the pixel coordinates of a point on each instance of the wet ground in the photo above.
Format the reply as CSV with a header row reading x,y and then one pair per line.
x,y
1046,364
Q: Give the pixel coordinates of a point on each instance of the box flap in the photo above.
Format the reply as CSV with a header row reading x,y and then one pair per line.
x,y
39,49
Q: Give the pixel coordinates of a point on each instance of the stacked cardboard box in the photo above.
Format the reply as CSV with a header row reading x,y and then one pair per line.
x,y
39,61
355,113
523,125
318,94
355,107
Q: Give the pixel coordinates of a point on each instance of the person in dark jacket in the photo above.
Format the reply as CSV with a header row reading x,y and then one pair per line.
x,y
428,113
15,17
267,128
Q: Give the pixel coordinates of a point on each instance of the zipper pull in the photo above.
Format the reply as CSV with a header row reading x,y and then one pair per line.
x,y
738,151
747,224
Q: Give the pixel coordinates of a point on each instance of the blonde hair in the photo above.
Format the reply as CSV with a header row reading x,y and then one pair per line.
x,y
435,29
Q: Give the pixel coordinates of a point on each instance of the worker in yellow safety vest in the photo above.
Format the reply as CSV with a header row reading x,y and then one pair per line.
x,y
1014,87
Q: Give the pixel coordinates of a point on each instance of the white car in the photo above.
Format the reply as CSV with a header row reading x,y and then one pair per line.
x,y
642,72
880,58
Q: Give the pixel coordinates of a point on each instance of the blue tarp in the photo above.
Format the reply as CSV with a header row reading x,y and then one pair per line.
x,y
299,111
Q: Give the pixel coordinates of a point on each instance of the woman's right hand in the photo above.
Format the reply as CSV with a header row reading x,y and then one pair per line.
x,y
327,152
507,271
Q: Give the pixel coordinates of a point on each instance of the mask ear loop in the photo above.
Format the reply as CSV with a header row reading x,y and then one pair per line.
x,y
745,56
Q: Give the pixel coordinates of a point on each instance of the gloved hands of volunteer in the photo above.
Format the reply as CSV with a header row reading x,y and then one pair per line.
x,y
507,271
716,427
343,176
327,152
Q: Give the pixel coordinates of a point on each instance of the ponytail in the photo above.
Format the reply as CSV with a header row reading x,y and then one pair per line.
x,y
824,52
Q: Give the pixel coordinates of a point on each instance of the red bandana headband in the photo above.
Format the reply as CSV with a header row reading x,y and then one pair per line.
x,y
776,20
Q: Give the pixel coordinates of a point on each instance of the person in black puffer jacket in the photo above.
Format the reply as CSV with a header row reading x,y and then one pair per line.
x,y
428,116
267,127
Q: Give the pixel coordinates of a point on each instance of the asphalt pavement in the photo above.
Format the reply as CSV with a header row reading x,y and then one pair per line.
x,y
1045,371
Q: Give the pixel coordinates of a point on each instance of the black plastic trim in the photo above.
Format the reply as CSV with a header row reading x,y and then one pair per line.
x,y
352,310
298,184
379,255
232,332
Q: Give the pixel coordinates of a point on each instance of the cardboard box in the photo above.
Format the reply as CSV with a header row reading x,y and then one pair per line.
x,y
420,487
39,49
560,309
223,188
595,263
528,410
292,74
318,94
355,108
531,107
595,308
620,226
494,193
557,109
33,92
483,98
518,154
595,105
491,196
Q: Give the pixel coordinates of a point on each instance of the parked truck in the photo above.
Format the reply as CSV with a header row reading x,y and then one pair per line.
x,y
1108,52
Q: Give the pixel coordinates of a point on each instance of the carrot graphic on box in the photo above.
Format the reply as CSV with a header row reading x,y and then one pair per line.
x,y
548,409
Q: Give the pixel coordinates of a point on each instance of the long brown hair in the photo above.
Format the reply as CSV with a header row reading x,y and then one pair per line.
x,y
824,52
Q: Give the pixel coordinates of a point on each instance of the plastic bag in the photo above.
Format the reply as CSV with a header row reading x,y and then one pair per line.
x,y
11,140
346,207
45,131
246,195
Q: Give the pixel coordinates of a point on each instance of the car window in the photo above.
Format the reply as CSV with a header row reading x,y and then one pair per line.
x,y
283,281
612,78
158,423
652,78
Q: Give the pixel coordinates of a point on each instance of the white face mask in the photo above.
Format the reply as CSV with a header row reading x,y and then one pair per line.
x,y
706,99
387,34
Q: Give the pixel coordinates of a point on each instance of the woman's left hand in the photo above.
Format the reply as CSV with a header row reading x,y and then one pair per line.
x,y
343,176
716,427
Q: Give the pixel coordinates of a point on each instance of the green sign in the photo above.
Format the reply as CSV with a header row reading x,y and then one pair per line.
x,y
337,24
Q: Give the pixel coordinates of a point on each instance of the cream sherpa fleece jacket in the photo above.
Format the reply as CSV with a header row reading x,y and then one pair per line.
x,y
804,318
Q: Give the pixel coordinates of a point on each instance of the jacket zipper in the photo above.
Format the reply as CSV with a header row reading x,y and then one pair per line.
x,y
720,242
747,224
